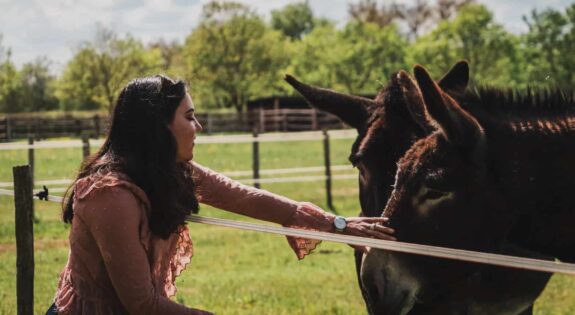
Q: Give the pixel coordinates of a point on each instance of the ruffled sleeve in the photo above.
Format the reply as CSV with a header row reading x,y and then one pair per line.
x,y
222,192
308,217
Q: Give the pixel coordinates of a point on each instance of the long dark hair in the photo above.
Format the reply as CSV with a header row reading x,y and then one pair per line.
x,y
140,145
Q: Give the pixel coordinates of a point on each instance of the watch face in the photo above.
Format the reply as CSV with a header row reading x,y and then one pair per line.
x,y
339,223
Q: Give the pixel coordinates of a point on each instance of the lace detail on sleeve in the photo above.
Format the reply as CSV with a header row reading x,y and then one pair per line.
x,y
182,256
308,217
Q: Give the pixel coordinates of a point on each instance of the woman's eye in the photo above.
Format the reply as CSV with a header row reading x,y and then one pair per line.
x,y
432,194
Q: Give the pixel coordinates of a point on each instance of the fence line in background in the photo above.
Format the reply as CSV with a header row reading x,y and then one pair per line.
x,y
255,139
235,174
202,139
264,120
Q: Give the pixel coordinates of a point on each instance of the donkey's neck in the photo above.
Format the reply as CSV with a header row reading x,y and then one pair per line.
x,y
536,174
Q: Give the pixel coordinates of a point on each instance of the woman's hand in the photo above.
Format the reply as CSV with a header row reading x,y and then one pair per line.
x,y
368,227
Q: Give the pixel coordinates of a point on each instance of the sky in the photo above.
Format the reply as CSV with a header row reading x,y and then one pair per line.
x,y
54,28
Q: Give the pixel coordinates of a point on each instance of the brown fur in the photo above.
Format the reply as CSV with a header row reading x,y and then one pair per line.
x,y
500,176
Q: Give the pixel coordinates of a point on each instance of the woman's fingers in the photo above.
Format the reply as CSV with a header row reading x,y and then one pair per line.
x,y
374,219
370,230
384,229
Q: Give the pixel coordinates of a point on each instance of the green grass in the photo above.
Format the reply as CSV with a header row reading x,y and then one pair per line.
x,y
233,271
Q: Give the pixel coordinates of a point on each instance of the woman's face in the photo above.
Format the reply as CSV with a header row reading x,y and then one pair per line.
x,y
184,128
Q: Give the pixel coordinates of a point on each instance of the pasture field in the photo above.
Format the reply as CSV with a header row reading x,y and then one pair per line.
x,y
232,272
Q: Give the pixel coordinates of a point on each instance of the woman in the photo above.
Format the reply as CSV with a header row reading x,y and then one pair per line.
x,y
128,205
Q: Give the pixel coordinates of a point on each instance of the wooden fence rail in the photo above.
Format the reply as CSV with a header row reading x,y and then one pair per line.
x,y
264,120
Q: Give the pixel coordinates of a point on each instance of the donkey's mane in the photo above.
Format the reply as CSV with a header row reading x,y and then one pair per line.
x,y
519,103
540,110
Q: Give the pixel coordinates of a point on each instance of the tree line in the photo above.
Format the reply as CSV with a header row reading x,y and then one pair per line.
x,y
234,55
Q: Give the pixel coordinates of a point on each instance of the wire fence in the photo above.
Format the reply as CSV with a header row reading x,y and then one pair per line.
x,y
24,212
252,177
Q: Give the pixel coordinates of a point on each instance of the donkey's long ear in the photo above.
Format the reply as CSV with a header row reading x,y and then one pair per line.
x,y
458,126
353,110
414,102
456,79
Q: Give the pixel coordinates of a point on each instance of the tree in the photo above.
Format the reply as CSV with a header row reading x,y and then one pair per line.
x,y
314,58
415,16
369,11
549,46
170,52
37,87
294,20
355,59
473,35
9,82
233,56
368,55
99,69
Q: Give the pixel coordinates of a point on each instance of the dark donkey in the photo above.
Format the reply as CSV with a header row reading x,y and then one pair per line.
x,y
387,127
480,182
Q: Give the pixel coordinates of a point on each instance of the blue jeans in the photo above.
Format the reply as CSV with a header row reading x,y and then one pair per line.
x,y
52,310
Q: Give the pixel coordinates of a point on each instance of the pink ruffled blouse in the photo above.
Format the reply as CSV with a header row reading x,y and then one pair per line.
x,y
117,266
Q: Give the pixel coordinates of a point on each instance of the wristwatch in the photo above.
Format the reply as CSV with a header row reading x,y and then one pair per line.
x,y
339,223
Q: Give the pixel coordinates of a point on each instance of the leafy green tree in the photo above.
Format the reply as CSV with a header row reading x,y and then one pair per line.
x,y
549,46
233,56
473,34
99,69
9,82
368,55
356,59
170,52
314,58
37,87
294,20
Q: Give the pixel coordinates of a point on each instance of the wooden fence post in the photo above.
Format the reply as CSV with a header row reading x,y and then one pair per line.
x,y
209,123
313,119
85,146
23,201
256,158
38,129
276,114
327,161
31,157
8,129
96,126
262,120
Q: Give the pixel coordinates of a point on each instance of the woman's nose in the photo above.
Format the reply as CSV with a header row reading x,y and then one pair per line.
x,y
198,126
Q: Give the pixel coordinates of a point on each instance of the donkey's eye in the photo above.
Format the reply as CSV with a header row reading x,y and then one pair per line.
x,y
432,194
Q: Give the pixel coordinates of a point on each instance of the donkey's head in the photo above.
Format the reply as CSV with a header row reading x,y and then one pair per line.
x,y
443,195
386,127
